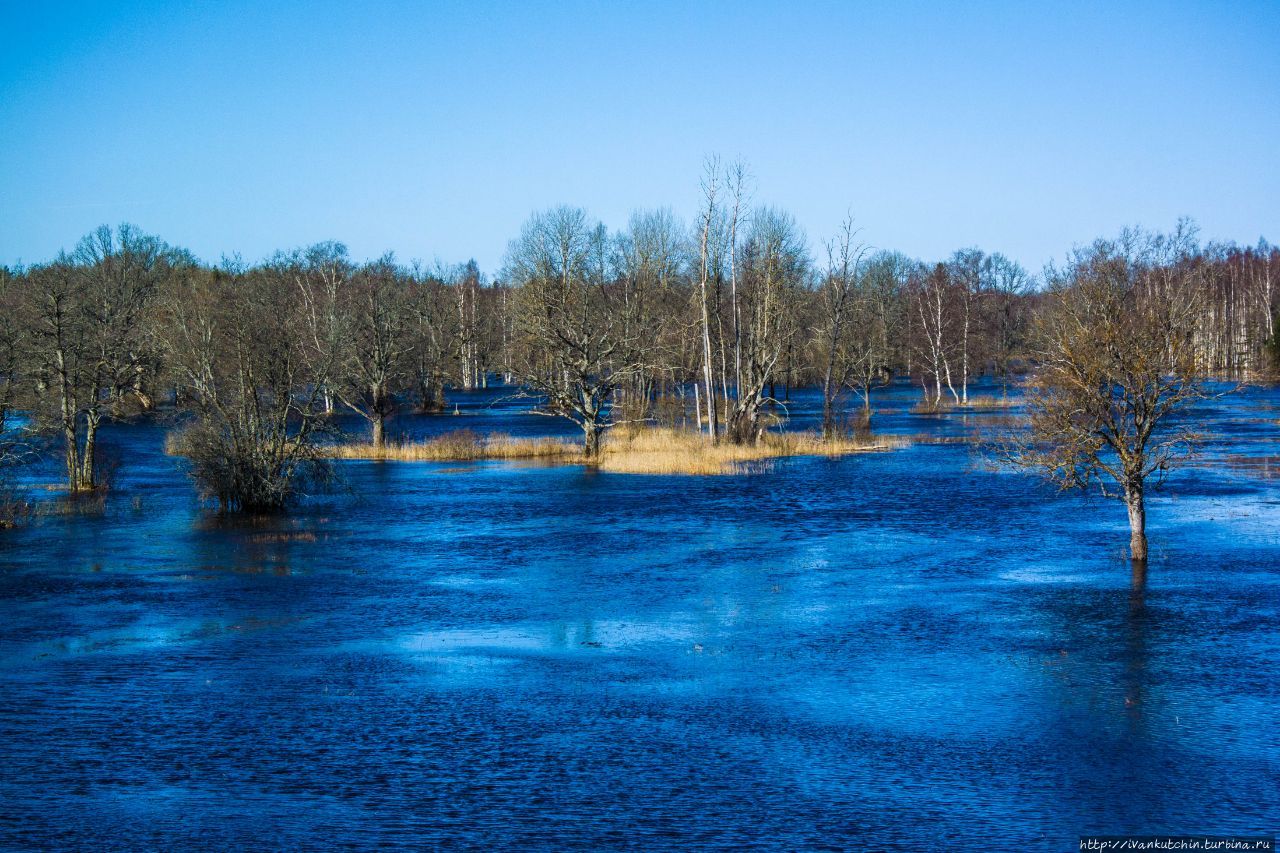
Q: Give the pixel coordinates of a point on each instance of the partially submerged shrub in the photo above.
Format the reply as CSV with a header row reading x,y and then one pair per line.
x,y
244,473
258,375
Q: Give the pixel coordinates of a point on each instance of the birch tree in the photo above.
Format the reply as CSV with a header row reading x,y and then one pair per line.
x,y
708,226
933,299
875,325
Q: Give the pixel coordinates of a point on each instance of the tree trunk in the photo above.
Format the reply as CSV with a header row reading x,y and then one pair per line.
x,y
379,430
1137,524
828,405
697,406
591,434
88,475
73,459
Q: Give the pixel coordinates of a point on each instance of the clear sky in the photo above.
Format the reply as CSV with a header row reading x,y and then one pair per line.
x,y
434,129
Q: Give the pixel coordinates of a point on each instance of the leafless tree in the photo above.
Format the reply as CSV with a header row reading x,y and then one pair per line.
x,y
838,295
87,318
774,270
933,296
13,335
374,363
709,223
255,374
318,275
571,326
876,322
1115,348
650,256
429,326
1006,287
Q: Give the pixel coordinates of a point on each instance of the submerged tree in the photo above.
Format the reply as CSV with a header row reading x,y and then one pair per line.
x,y
774,268
87,314
429,317
836,337
377,346
256,374
12,335
877,323
573,346
1116,354
12,339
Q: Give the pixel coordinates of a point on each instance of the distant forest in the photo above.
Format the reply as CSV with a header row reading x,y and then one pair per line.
x,y
655,322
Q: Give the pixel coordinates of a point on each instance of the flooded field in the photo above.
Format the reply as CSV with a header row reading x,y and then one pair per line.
x,y
899,650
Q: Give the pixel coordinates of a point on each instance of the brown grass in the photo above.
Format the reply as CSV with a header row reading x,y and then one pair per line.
x,y
929,407
462,445
989,401
976,402
626,451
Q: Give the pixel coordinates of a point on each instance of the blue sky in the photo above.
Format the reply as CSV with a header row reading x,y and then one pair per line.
x,y
435,129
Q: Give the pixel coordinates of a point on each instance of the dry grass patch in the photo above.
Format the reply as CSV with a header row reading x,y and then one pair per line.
x,y
990,401
460,446
669,451
976,402
624,451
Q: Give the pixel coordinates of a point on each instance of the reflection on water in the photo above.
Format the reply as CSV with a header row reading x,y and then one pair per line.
x,y
902,650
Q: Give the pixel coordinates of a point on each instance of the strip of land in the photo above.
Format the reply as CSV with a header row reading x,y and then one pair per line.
x,y
625,451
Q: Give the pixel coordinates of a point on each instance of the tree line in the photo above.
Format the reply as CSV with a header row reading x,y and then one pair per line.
x,y
711,322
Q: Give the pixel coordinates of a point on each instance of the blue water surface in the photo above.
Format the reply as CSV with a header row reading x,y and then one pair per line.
x,y
901,650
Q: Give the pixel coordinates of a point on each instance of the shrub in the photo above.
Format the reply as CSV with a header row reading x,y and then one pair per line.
x,y
244,473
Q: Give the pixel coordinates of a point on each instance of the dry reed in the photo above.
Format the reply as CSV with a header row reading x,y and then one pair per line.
x,y
459,446
628,451
976,402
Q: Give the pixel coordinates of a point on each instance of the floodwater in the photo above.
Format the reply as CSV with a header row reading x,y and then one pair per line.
x,y
900,650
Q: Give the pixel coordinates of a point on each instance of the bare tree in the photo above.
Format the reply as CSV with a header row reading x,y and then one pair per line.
x,y
934,297
319,274
87,313
649,260
708,225
737,176
372,371
1116,361
1007,286
571,325
466,287
429,320
966,268
256,377
122,272
876,320
838,297
13,334
774,270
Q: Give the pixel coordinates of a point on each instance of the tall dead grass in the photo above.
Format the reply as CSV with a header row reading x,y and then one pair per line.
x,y
976,402
626,451
462,445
